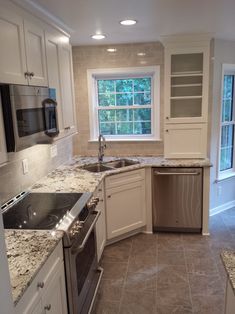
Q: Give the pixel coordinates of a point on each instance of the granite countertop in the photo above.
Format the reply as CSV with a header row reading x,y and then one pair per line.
x,y
27,251
71,178
228,258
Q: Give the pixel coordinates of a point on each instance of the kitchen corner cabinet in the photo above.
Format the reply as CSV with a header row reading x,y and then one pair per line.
x,y
100,228
186,96
125,202
22,56
47,292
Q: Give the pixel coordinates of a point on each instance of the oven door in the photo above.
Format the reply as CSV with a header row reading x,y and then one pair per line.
x,y
82,273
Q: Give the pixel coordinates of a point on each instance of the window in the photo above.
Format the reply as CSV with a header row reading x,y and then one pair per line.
x,y
124,103
227,162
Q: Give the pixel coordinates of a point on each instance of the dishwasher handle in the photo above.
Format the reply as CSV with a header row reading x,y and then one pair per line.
x,y
195,173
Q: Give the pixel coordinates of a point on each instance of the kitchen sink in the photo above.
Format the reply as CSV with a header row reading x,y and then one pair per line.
x,y
111,165
121,163
96,167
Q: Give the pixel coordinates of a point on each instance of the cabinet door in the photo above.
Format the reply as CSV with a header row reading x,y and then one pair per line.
x,y
125,208
185,141
12,52
67,87
101,224
3,151
38,309
35,54
53,71
54,298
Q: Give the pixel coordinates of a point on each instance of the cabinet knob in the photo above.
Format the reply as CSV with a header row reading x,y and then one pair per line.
x,y
167,118
67,128
109,196
31,74
167,131
47,307
26,74
40,284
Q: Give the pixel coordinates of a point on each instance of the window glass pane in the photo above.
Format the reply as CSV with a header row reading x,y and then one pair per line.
x,y
142,98
106,115
124,86
105,86
226,150
228,86
227,110
124,128
142,114
124,99
142,84
107,128
124,115
142,128
106,99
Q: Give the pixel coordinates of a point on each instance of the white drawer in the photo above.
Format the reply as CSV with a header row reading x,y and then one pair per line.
x,y
124,178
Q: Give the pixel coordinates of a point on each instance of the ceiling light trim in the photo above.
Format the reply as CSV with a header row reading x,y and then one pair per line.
x,y
128,22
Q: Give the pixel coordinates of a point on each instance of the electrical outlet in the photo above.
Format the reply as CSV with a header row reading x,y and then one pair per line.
x,y
25,166
53,151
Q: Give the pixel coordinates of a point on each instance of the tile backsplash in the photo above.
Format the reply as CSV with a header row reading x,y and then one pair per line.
x,y
127,55
12,179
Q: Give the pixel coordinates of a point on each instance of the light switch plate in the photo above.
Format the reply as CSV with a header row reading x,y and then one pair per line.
x,y
25,166
53,151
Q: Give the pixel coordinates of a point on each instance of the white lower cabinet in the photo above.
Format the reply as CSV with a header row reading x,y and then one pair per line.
x,y
185,140
47,292
230,299
125,202
100,228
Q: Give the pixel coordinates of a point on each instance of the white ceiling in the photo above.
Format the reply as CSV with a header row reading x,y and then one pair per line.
x,y
82,18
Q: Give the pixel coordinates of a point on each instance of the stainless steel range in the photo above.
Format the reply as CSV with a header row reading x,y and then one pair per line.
x,y
75,214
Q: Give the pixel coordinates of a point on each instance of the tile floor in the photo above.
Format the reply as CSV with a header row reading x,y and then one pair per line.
x,y
167,273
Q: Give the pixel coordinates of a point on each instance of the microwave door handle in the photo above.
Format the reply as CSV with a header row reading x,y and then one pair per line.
x,y
44,105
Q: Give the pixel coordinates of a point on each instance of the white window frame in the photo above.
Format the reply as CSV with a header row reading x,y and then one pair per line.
x,y
225,174
94,74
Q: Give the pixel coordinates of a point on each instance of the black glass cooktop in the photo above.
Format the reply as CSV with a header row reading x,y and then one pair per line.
x,y
39,210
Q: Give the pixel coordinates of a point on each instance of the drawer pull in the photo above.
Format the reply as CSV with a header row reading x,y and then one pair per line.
x,y
47,307
40,284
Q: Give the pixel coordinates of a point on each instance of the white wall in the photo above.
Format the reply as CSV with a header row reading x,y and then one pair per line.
x,y
222,192
6,302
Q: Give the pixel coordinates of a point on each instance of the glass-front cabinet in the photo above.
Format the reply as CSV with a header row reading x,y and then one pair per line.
x,y
186,95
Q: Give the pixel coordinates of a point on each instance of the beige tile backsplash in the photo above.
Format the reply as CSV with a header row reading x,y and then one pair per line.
x,y
92,57
12,179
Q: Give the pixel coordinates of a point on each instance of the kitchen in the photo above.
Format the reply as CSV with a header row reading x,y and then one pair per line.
x,y
156,98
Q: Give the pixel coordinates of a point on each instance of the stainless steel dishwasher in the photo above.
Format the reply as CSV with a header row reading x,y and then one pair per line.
x,y
177,199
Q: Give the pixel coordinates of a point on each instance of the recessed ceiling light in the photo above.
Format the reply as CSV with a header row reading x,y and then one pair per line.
x,y
111,49
141,54
128,22
98,36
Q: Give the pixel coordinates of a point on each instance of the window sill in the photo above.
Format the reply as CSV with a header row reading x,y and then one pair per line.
x,y
127,140
226,176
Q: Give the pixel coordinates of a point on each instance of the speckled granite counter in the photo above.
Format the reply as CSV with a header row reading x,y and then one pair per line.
x,y
27,251
71,178
228,258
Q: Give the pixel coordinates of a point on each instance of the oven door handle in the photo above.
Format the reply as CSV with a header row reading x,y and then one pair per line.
x,y
81,247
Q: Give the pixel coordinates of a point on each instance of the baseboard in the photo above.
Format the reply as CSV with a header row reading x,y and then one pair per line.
x,y
222,208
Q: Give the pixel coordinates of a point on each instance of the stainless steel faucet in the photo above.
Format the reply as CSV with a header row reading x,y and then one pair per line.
x,y
102,147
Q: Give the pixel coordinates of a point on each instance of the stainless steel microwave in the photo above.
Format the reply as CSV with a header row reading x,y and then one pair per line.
x,y
29,115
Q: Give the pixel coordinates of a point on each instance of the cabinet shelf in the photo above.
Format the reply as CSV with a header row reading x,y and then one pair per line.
x,y
186,85
186,97
180,74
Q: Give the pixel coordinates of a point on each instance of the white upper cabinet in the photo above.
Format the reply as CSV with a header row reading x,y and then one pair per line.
x,y
35,54
53,70
66,70
12,50
186,93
